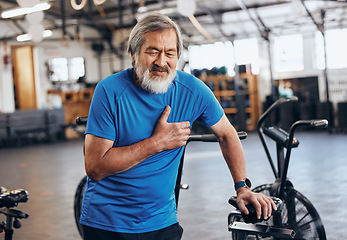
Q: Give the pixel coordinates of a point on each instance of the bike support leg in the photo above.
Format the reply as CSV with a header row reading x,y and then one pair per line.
x,y
8,228
10,215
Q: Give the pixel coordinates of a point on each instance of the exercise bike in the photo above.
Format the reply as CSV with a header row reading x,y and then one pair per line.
x,y
296,217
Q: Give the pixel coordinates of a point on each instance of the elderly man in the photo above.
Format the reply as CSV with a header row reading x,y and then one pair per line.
x,y
138,125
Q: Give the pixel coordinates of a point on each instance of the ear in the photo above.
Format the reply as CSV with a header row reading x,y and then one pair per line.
x,y
132,57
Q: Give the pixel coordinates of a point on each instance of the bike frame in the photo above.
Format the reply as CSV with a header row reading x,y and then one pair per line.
x,y
283,158
282,188
197,138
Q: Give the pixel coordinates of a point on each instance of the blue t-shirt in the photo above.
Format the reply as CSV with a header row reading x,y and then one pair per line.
x,y
141,199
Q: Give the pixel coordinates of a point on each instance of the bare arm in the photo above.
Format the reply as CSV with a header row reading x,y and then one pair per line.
x,y
102,160
234,156
231,148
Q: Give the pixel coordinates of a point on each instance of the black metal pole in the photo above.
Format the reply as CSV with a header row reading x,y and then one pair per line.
x,y
321,29
63,16
329,107
120,7
273,92
239,98
8,228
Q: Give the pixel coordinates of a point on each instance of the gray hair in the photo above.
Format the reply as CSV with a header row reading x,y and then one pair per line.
x,y
151,23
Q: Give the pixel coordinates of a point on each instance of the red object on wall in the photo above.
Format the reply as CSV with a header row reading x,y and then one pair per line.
x,y
7,59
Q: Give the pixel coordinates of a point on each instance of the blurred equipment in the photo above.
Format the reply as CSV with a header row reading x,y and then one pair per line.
x,y
9,199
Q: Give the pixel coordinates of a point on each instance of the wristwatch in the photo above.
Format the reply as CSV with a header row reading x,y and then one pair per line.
x,y
244,183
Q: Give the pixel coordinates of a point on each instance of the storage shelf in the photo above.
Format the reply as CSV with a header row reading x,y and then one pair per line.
x,y
225,93
75,103
230,110
224,90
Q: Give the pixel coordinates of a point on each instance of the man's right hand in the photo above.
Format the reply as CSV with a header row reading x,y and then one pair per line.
x,y
170,135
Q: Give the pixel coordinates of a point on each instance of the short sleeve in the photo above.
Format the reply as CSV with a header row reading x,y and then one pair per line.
x,y
101,119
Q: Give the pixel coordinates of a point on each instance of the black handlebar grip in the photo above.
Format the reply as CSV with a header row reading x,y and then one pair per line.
x,y
208,138
81,120
322,123
251,217
212,137
242,135
23,215
202,138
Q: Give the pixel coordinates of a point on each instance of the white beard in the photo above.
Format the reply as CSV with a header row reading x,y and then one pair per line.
x,y
155,85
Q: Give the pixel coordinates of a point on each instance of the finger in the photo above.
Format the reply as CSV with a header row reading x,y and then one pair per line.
x,y
183,125
274,207
186,125
242,207
186,136
165,115
269,205
267,209
258,208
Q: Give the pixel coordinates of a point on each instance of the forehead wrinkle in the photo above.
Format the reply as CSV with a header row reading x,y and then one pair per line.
x,y
162,39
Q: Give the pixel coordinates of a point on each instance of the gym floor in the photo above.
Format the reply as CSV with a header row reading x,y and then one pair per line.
x,y
51,172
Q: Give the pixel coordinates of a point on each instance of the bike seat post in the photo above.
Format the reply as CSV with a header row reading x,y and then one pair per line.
x,y
280,159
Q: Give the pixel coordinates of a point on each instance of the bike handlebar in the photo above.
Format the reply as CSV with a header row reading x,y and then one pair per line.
x,y
192,138
273,107
212,138
320,123
11,198
81,120
289,144
14,213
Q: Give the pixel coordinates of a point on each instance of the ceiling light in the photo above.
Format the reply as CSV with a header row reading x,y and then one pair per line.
x,y
27,37
22,11
186,7
142,8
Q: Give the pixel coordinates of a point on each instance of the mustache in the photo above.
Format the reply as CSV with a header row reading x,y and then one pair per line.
x,y
157,68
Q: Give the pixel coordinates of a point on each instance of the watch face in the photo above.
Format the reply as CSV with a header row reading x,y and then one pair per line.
x,y
248,182
244,183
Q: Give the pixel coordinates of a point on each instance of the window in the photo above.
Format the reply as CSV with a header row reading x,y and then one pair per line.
x,y
222,54
336,49
288,53
209,55
66,69
247,53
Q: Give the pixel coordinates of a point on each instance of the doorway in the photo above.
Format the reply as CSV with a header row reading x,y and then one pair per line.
x,y
24,77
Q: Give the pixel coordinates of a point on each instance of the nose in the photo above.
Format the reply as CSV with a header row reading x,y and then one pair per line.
x,y
161,60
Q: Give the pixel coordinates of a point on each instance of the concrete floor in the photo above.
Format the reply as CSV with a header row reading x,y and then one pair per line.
x,y
51,172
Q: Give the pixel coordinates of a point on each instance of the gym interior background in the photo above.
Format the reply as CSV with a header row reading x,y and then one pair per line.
x,y
248,52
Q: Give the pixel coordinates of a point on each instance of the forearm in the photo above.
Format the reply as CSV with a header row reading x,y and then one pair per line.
x,y
102,160
234,156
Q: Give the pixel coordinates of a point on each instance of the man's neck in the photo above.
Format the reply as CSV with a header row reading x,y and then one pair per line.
x,y
135,78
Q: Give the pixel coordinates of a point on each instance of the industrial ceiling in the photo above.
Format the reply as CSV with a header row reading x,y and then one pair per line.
x,y
219,20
